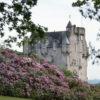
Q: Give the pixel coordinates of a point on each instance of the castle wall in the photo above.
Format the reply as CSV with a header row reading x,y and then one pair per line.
x,y
55,55
78,48
66,49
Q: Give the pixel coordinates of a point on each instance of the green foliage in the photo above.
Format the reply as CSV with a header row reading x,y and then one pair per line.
x,y
17,16
24,77
42,96
71,96
48,95
35,56
2,59
96,92
8,90
68,73
80,91
92,8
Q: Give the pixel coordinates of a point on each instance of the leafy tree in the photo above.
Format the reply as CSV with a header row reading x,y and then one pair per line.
x,y
90,9
16,15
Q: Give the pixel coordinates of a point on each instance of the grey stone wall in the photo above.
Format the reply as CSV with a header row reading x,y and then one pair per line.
x,y
66,49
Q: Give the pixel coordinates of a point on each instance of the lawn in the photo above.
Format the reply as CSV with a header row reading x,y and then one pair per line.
x,y
11,98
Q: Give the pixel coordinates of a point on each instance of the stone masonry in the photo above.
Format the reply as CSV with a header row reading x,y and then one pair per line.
x,y
66,49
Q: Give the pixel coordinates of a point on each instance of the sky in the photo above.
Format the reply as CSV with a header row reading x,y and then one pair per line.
x,y
55,14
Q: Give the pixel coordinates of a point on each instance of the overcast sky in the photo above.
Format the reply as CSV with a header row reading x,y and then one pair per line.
x,y
54,14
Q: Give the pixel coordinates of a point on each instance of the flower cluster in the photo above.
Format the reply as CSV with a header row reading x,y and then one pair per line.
x,y
43,76
25,75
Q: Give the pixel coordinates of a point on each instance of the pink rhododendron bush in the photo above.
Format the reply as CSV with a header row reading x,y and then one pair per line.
x,y
25,77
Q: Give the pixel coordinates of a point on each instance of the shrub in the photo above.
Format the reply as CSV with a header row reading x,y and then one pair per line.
x,y
2,59
25,77
68,73
48,95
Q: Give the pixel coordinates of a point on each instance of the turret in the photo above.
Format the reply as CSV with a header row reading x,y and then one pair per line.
x,y
69,26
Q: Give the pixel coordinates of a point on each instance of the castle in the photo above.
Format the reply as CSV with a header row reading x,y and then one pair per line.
x,y
66,49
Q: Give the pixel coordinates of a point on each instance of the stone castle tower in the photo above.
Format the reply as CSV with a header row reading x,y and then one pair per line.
x,y
66,49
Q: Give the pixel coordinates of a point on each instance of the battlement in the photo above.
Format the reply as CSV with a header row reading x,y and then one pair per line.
x,y
74,29
79,30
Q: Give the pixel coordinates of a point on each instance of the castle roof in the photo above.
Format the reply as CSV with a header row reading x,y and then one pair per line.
x,y
60,38
69,25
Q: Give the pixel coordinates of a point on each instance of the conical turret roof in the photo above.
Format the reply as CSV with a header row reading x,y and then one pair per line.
x,y
69,25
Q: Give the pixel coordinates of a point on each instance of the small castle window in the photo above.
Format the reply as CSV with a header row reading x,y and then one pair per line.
x,y
81,37
80,67
73,62
54,46
75,47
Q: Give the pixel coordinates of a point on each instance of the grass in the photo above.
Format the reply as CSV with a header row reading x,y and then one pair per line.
x,y
11,98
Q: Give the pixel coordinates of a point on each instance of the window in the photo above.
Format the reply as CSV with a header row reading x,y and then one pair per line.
x,y
75,47
54,46
81,37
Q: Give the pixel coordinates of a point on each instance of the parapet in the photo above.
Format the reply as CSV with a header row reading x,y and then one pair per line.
x,y
79,30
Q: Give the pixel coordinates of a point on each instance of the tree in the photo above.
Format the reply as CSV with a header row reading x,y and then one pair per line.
x,y
90,9
16,15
